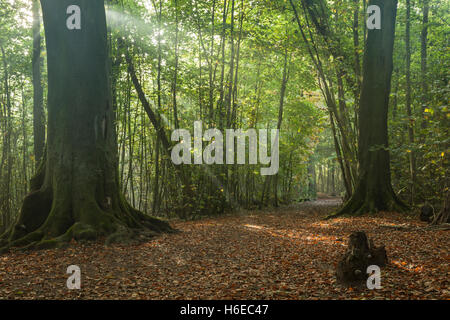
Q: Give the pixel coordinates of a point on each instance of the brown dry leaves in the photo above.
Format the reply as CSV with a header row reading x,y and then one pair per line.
x,y
289,253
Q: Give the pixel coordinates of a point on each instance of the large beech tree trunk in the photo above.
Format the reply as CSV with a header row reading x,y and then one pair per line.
x,y
374,190
75,193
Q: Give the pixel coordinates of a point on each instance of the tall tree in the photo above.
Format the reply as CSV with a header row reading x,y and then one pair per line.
x,y
38,96
76,191
412,157
423,57
6,160
284,83
156,199
175,73
374,190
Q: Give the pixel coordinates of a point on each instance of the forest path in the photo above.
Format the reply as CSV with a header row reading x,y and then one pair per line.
x,y
285,253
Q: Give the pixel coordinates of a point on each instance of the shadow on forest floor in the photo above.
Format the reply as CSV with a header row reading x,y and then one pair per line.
x,y
285,253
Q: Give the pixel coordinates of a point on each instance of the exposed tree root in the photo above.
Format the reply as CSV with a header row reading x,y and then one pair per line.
x,y
363,202
44,223
63,207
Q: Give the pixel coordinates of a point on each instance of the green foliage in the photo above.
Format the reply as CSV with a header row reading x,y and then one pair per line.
x,y
190,41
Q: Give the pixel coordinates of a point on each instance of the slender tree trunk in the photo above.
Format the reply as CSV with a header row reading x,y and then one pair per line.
x,y
236,76
175,75
220,103
211,67
38,96
312,185
396,89
423,59
158,94
231,72
412,156
284,83
333,180
356,50
25,145
5,198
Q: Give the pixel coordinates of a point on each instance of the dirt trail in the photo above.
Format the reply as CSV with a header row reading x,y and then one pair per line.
x,y
288,253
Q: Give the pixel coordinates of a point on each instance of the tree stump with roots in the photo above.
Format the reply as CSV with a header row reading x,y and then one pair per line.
x,y
361,253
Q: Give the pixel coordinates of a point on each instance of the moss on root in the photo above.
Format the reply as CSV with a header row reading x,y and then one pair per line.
x,y
61,208
360,204
90,223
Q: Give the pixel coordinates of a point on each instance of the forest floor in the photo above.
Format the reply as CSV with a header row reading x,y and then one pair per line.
x,y
287,253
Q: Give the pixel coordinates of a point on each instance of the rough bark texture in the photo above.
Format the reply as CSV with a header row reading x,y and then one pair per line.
x,y
360,254
374,190
75,193
38,95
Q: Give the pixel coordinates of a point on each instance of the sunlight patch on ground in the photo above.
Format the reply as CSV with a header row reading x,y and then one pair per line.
x,y
321,224
251,226
297,235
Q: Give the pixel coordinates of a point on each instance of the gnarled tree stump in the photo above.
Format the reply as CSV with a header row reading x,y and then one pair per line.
x,y
361,253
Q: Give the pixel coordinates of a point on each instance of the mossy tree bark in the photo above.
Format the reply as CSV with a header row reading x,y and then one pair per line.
x,y
75,193
374,190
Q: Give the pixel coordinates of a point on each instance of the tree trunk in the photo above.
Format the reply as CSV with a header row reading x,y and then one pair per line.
x,y
6,175
284,83
175,74
412,157
76,191
312,183
230,76
374,190
423,59
38,96
356,49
